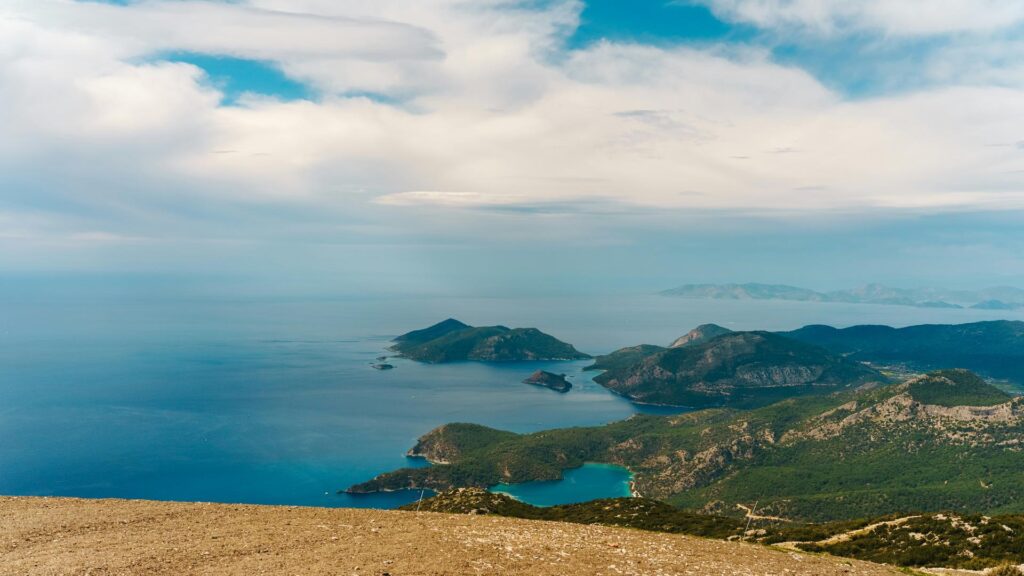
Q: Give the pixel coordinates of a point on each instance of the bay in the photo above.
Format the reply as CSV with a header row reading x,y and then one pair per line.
x,y
274,401
589,482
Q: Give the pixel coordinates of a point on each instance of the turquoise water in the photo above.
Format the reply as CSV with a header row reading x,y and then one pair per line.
x,y
274,401
589,482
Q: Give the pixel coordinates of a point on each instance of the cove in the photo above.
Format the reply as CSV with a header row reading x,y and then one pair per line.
x,y
591,481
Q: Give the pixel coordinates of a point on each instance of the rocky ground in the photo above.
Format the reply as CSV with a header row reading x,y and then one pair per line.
x,y
60,536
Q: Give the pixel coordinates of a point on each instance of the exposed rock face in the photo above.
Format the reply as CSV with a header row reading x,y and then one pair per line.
x,y
700,334
556,382
959,424
453,341
733,368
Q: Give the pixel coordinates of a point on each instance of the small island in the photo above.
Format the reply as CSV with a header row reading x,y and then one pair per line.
x,y
382,366
454,341
556,382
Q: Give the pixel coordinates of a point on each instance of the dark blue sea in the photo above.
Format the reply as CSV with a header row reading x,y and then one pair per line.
x,y
274,401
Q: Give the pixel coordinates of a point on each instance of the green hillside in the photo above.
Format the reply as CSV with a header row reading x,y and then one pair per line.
x,y
453,341
994,348
840,456
927,540
740,369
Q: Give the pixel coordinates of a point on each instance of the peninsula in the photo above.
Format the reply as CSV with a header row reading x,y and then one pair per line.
x,y
943,441
713,366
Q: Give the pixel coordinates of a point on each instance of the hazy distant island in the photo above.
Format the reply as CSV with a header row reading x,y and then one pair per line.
x,y
998,298
556,382
454,341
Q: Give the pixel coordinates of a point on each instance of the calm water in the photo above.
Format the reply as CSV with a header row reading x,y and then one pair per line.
x,y
590,482
275,402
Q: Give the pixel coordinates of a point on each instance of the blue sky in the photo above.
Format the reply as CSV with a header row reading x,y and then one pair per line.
x,y
856,65
652,21
236,77
860,63
439,145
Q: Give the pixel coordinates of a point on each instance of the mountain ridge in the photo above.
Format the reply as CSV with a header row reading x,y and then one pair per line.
x,y
716,366
994,348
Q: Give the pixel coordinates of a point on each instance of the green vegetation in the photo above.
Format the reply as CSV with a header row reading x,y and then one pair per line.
x,y
433,332
454,441
640,513
971,542
624,358
848,455
453,341
742,369
946,540
700,334
994,348
956,388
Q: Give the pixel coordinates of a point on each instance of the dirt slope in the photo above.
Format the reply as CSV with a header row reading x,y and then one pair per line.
x,y
59,536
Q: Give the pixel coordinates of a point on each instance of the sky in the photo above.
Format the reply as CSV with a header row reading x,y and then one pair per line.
x,y
511,146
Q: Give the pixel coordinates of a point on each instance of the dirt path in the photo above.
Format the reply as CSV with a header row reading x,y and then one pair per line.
x,y
846,536
56,536
748,512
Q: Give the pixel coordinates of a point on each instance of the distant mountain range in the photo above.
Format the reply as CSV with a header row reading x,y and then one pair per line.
x,y
998,298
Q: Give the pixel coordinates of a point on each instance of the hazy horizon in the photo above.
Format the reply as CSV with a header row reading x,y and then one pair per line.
x,y
501,148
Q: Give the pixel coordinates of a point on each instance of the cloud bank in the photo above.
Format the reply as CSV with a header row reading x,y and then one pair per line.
x,y
436,106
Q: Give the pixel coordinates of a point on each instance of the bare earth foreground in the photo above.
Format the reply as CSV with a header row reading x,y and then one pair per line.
x,y
104,537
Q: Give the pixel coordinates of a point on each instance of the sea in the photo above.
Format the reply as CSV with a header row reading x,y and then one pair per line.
x,y
274,400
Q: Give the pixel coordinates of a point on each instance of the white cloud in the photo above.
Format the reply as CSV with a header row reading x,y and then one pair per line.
x,y
490,116
894,17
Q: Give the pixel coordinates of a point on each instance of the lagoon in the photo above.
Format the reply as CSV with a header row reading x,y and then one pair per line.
x,y
588,482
